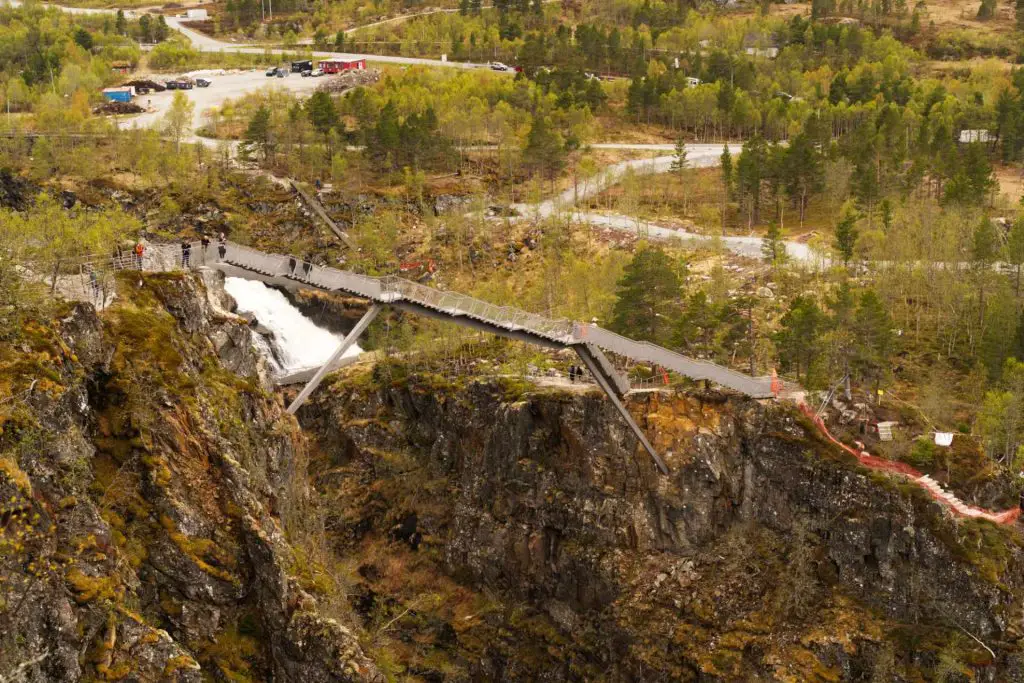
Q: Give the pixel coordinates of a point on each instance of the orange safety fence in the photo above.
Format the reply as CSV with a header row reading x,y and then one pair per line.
x,y
875,463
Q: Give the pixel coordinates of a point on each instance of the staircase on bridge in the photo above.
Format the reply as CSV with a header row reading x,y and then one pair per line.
x,y
586,340
314,204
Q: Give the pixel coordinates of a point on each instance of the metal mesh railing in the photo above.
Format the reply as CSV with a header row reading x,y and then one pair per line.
x,y
391,289
85,280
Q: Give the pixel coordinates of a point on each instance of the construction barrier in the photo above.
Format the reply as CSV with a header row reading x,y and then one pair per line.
x,y
954,504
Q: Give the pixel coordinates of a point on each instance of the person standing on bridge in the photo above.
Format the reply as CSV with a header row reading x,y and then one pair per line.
x,y
205,242
138,252
186,254
222,246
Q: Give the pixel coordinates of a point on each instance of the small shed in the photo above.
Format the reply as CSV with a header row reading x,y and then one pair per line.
x,y
197,15
977,135
335,66
122,94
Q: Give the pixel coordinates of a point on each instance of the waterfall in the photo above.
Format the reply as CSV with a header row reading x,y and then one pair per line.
x,y
296,342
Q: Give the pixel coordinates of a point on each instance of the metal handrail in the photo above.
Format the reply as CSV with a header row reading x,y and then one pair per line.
x,y
391,288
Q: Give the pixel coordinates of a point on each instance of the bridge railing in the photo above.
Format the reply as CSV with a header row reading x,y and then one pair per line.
x,y
392,288
79,283
463,304
287,266
677,362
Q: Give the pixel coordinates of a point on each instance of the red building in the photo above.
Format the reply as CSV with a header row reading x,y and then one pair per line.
x,y
335,66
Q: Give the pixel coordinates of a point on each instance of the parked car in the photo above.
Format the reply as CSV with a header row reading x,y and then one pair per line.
x,y
271,72
171,85
307,73
202,83
316,73
498,66
282,72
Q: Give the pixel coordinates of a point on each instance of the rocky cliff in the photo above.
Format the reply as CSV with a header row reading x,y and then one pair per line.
x,y
502,533
155,515
161,518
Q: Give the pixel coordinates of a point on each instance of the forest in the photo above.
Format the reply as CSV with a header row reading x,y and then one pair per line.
x,y
849,141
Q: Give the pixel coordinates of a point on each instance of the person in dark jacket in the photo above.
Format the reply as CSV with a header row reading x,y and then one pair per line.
x,y
186,254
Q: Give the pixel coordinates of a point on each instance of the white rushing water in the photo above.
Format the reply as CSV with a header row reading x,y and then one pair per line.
x,y
297,342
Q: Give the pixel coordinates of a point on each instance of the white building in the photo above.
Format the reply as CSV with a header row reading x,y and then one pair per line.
x,y
978,135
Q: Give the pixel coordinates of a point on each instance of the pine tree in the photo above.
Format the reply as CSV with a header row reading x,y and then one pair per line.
x,y
384,140
339,41
697,325
120,23
647,296
873,338
773,247
751,169
146,29
678,164
987,10
258,132
846,235
83,39
798,337
727,178
1015,251
544,152
802,171
322,113
984,251
160,30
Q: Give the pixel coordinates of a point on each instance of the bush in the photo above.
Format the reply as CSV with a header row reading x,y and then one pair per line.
x,y
922,455
172,56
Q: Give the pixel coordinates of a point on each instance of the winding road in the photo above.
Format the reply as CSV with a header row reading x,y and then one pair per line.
x,y
697,156
233,85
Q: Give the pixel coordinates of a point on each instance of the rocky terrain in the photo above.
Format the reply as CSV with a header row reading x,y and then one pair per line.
x,y
154,503
519,536
163,519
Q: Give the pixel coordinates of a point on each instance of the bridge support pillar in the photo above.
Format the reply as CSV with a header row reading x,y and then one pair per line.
x,y
349,340
602,381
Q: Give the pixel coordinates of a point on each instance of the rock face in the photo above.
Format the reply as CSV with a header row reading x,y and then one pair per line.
x,y
155,502
503,535
162,518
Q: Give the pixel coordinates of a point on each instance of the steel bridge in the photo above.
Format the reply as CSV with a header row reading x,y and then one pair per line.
x,y
588,341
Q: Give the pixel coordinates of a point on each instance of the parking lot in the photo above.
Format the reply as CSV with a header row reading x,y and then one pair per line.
x,y
223,86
